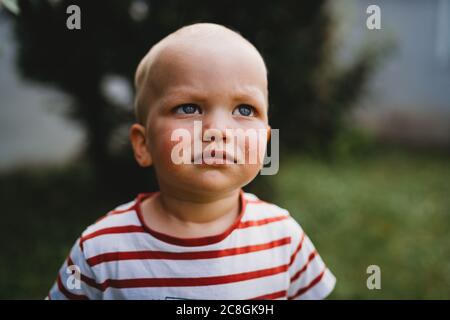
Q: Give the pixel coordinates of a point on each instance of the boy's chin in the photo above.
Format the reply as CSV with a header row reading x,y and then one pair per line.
x,y
213,181
209,180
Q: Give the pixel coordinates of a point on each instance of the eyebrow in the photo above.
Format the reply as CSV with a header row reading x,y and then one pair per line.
x,y
185,91
249,93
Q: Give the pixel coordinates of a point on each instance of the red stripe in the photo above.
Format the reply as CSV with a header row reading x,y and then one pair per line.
x,y
315,281
274,295
117,211
253,223
111,230
69,295
256,201
141,255
133,228
179,241
191,282
89,281
303,269
299,247
190,242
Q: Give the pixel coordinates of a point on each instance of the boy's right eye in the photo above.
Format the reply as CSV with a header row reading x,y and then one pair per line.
x,y
188,108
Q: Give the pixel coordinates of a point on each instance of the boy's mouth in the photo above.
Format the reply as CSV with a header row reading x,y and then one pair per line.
x,y
214,157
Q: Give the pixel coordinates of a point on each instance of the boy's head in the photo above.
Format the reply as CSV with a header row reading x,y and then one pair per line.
x,y
208,73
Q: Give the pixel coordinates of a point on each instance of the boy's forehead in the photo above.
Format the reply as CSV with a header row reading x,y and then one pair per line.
x,y
199,64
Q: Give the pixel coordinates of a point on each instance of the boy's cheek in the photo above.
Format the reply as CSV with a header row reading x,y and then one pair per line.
x,y
254,148
166,136
165,149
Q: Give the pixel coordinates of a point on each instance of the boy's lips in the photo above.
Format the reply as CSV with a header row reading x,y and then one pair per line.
x,y
214,157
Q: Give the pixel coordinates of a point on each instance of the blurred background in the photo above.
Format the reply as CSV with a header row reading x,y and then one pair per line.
x,y
364,119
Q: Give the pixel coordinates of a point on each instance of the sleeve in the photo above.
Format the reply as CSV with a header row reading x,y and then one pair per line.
x,y
75,280
310,278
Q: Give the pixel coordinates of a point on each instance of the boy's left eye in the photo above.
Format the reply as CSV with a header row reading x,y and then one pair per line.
x,y
188,108
244,110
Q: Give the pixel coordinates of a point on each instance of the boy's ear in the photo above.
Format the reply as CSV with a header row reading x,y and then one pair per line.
x,y
138,141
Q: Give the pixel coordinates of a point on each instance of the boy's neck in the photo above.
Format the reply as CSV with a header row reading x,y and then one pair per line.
x,y
172,214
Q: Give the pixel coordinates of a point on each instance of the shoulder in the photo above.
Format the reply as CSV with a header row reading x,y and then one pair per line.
x,y
257,208
122,219
123,214
255,204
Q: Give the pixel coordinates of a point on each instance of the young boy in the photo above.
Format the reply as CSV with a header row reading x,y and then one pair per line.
x,y
200,236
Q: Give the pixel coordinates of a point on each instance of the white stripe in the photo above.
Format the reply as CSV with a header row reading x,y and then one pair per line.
x,y
127,269
259,211
114,220
55,294
124,206
239,290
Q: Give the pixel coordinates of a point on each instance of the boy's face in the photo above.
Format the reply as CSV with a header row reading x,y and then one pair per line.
x,y
222,85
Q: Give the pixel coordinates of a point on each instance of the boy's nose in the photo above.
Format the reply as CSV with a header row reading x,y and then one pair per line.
x,y
215,126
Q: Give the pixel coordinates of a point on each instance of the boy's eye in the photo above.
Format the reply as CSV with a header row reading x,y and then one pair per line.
x,y
244,110
187,108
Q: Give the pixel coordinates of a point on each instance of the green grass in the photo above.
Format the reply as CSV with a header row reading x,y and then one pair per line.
x,y
392,210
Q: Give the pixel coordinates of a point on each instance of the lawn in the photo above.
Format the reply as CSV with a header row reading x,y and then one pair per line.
x,y
391,210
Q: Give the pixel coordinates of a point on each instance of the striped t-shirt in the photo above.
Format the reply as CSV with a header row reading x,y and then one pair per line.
x,y
264,255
